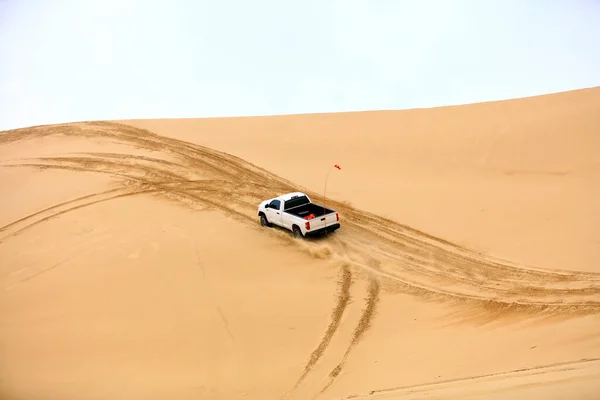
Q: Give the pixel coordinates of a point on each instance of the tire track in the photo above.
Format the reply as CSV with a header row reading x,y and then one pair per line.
x,y
363,325
343,298
516,373
94,199
56,206
144,187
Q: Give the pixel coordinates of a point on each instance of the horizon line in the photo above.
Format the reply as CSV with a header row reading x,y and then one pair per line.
x,y
356,111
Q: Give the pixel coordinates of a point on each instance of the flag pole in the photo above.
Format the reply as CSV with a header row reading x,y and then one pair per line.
x,y
325,191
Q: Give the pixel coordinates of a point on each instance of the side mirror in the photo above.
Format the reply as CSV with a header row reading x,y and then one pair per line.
x,y
267,206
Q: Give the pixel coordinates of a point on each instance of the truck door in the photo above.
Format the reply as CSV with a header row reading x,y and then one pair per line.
x,y
286,219
274,212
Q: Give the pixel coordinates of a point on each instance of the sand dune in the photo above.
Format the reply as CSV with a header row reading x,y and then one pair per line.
x,y
133,264
509,173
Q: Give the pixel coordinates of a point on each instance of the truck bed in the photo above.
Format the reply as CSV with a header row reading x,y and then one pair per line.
x,y
309,210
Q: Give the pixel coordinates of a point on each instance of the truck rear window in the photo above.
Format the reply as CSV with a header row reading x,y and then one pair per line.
x,y
298,201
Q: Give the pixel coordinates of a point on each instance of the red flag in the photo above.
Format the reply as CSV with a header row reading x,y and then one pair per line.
x,y
337,166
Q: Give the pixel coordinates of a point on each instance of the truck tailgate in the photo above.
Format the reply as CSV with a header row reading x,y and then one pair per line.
x,y
320,222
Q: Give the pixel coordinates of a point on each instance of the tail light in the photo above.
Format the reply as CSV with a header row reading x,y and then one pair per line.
x,y
337,217
307,225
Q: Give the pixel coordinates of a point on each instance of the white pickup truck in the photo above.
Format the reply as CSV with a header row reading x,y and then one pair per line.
x,y
295,212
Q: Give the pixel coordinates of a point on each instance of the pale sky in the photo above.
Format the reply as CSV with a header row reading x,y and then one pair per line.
x,y
63,61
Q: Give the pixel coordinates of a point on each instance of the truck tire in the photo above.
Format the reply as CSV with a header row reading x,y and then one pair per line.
x,y
264,222
297,232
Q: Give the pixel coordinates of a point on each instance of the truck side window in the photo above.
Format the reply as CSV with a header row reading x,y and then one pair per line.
x,y
275,204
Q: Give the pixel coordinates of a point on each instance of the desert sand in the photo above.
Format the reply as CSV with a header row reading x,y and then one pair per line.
x,y
133,265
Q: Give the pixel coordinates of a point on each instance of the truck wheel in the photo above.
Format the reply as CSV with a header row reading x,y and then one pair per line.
x,y
297,233
264,222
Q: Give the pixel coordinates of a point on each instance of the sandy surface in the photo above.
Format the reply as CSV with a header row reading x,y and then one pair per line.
x,y
133,266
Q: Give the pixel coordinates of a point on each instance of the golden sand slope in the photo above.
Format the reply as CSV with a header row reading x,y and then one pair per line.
x,y
403,258
518,179
133,266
